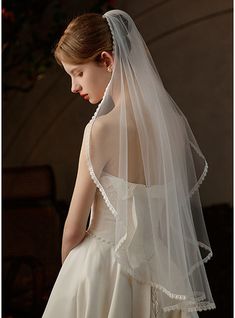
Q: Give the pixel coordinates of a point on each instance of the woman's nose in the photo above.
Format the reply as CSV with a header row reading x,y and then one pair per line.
x,y
75,88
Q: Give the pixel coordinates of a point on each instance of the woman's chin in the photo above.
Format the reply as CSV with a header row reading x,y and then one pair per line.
x,y
92,102
95,101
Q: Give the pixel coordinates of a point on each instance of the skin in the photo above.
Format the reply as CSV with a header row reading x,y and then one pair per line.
x,y
92,79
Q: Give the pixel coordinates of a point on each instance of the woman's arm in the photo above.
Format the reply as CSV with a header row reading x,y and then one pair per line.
x,y
82,198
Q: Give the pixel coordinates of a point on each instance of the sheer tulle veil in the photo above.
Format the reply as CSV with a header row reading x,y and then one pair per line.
x,y
160,234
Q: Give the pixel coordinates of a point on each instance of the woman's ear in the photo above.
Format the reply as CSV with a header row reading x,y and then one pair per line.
x,y
107,59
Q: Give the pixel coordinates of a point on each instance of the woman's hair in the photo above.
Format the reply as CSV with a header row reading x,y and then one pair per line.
x,y
84,39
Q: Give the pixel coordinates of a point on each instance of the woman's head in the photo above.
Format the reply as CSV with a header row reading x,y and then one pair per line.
x,y
84,39
85,52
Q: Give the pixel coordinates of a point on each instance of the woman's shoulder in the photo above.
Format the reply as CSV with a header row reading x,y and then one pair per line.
x,y
101,129
102,124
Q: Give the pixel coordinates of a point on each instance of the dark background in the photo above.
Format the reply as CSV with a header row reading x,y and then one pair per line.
x,y
43,123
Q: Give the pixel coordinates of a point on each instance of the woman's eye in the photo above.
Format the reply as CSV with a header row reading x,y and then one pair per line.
x,y
80,74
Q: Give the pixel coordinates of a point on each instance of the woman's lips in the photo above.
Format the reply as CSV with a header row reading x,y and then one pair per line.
x,y
85,96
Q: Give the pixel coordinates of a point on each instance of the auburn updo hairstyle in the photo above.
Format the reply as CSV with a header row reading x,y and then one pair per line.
x,y
84,39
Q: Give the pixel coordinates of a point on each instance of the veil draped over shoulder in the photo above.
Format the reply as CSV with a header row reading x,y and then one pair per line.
x,y
160,234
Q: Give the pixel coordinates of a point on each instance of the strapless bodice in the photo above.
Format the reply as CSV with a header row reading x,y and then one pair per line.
x,y
102,220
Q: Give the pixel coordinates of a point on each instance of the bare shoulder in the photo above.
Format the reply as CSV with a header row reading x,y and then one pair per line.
x,y
101,128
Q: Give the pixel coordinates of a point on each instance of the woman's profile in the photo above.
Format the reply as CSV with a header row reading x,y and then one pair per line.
x,y
139,172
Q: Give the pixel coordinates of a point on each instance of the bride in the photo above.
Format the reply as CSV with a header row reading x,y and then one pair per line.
x,y
139,172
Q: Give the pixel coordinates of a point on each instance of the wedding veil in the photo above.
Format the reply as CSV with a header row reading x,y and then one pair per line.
x,y
160,234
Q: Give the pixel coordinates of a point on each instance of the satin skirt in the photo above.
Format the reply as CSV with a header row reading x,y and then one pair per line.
x,y
91,284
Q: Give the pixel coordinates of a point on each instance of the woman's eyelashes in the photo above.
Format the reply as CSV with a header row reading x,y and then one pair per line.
x,y
79,74
76,74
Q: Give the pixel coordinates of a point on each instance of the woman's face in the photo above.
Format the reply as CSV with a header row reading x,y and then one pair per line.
x,y
89,80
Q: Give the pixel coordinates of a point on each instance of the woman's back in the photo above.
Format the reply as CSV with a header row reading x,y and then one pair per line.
x,y
135,164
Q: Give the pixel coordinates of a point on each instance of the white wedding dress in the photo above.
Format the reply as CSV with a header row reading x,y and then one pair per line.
x,y
91,283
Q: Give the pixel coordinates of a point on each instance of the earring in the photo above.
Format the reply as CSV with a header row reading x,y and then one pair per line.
x,y
109,69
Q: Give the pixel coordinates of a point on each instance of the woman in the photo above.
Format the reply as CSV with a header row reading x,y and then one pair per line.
x,y
139,171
